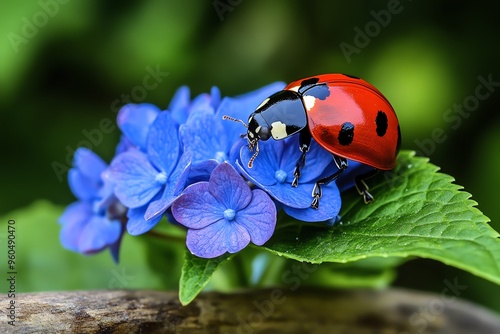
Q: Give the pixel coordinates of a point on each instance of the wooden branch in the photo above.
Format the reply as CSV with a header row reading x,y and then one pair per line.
x,y
262,311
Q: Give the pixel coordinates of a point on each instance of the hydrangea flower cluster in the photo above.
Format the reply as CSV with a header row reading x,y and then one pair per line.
x,y
187,164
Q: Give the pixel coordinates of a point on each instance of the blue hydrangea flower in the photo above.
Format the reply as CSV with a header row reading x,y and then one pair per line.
x,y
224,214
148,182
273,171
94,222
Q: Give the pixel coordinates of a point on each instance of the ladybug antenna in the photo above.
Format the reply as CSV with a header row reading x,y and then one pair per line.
x,y
229,118
250,162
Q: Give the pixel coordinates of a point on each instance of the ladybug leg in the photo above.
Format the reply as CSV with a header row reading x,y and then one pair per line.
x,y
342,164
305,143
362,187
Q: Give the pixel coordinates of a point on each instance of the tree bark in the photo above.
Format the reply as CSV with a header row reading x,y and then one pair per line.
x,y
262,311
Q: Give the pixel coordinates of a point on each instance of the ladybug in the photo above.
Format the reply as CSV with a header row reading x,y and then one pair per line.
x,y
344,114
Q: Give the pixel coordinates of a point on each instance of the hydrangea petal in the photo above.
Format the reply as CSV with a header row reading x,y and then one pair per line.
x,y
231,107
234,152
203,136
201,171
217,239
137,224
74,219
178,178
259,217
215,97
124,145
157,208
99,233
229,188
134,120
196,208
89,163
172,189
266,164
163,143
179,105
106,194
85,178
317,159
298,197
82,187
134,178
200,102
76,211
328,209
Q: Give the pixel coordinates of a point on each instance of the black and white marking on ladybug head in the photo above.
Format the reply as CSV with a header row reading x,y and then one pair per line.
x,y
258,129
346,134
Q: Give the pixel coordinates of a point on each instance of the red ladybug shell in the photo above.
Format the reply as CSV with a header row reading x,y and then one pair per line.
x,y
355,121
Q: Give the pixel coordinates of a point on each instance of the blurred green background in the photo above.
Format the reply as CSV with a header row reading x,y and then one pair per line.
x,y
65,66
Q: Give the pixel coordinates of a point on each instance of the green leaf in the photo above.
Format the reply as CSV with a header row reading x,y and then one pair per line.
x,y
417,212
196,272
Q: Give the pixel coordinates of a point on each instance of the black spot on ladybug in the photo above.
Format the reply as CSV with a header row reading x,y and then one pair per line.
x,y
351,76
306,84
346,134
381,121
318,91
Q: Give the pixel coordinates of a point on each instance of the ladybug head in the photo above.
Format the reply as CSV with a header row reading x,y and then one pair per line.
x,y
255,132
258,129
